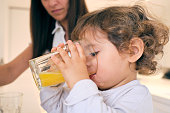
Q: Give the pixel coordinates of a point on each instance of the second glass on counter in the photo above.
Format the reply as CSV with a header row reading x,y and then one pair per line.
x,y
11,102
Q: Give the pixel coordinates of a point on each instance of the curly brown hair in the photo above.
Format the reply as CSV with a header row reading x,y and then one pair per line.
x,y
122,23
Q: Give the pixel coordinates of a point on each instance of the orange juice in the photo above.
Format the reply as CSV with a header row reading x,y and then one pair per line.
x,y
51,78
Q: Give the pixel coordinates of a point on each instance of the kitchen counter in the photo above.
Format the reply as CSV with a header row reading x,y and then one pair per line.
x,y
160,90
157,85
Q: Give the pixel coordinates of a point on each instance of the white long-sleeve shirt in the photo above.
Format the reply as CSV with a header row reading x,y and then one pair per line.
x,y
86,98
59,35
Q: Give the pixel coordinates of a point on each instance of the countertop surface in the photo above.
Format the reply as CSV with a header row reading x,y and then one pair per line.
x,y
157,85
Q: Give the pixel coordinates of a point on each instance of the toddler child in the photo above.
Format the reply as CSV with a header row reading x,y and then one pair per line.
x,y
125,42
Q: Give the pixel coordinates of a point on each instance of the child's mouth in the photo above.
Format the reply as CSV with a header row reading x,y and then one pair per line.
x,y
92,76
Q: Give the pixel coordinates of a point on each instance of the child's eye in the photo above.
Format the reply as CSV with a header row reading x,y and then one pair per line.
x,y
94,53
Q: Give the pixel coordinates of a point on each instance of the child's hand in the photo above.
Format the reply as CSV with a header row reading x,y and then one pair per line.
x,y
55,48
73,68
53,67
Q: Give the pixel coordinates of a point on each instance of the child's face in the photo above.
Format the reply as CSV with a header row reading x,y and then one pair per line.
x,y
112,69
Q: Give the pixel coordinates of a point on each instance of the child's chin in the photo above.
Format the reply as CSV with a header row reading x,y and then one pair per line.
x,y
101,87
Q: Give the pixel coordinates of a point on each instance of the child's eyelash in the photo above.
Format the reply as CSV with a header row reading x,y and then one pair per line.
x,y
94,53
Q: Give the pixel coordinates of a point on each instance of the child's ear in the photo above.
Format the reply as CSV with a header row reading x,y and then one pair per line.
x,y
136,49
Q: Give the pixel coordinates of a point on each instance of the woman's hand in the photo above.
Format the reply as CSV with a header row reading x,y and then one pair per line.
x,y
73,68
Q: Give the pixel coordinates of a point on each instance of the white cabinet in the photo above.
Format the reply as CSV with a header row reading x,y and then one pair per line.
x,y
1,28
161,105
160,90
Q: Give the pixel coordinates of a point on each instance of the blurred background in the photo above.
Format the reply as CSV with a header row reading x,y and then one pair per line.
x,y
15,37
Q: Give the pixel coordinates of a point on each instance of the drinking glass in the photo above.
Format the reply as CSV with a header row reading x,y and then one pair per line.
x,y
45,72
11,102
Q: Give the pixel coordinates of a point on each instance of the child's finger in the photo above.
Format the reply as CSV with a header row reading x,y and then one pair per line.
x,y
64,55
61,45
54,49
73,49
57,61
80,51
53,66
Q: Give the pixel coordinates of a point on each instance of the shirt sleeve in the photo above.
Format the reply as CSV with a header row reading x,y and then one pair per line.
x,y
52,98
86,98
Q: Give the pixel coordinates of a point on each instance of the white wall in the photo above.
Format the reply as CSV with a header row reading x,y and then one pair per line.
x,y
97,4
1,28
161,9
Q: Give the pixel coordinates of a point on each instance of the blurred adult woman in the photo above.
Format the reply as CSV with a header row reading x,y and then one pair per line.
x,y
51,23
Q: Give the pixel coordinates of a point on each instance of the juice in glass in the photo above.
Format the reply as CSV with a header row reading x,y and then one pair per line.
x,y
50,78
44,72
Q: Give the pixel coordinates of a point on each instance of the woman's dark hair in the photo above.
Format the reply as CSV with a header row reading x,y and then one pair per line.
x,y
42,24
124,23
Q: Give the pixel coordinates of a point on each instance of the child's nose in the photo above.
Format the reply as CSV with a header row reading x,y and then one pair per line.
x,y
91,67
91,64
87,64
